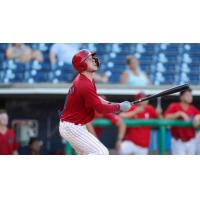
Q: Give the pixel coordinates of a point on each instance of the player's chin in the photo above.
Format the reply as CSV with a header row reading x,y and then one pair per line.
x,y
95,68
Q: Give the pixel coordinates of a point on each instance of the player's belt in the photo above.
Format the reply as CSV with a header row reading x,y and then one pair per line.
x,y
77,124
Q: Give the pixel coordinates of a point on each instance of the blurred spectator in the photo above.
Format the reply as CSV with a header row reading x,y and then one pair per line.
x,y
19,52
8,144
137,139
35,146
37,56
115,119
22,53
63,53
183,138
133,74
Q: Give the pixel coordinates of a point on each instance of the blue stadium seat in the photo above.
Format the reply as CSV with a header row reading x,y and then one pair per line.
x,y
39,77
3,47
18,78
194,67
165,63
147,58
63,75
115,77
145,67
128,48
173,48
2,56
150,48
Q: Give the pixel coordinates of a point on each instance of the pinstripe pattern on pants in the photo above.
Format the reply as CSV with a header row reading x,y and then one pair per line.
x,y
81,139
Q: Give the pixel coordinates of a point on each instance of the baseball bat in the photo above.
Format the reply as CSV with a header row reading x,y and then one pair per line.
x,y
163,93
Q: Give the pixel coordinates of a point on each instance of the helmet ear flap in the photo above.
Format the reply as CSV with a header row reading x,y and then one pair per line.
x,y
84,66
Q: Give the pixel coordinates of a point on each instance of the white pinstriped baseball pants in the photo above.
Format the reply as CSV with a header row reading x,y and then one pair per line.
x,y
83,142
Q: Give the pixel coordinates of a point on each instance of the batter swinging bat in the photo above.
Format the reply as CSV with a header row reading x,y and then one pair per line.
x,y
163,93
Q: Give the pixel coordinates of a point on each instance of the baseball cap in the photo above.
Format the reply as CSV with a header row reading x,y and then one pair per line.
x,y
139,96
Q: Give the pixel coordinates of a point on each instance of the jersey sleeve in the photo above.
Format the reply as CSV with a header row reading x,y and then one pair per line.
x,y
153,113
196,111
133,107
92,100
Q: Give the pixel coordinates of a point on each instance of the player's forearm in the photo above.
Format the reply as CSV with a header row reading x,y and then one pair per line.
x,y
106,108
128,114
121,130
173,116
103,100
196,121
94,101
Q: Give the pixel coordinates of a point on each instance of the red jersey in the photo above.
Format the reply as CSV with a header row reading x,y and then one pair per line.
x,y
183,133
8,143
82,101
141,135
110,116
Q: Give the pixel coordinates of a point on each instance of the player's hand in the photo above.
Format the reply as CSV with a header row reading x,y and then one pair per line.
x,y
184,116
125,106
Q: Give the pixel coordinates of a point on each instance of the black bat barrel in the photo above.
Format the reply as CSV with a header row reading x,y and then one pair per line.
x,y
164,93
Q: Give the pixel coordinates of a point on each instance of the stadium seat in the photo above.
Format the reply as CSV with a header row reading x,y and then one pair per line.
x,y
164,63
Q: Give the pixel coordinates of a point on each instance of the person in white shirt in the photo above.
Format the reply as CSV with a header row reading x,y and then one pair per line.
x,y
133,74
62,52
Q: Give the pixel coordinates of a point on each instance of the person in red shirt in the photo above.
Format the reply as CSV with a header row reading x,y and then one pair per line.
x,y
8,144
81,103
137,139
183,138
115,120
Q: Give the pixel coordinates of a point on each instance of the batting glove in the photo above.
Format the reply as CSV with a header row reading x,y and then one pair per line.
x,y
125,106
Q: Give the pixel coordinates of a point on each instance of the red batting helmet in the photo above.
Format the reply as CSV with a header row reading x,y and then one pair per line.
x,y
79,58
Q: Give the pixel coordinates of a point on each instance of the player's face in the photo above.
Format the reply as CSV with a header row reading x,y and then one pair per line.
x,y
143,104
3,119
187,97
92,66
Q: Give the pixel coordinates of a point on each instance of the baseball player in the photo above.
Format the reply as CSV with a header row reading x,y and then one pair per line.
x,y
81,103
137,139
183,138
115,120
8,143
